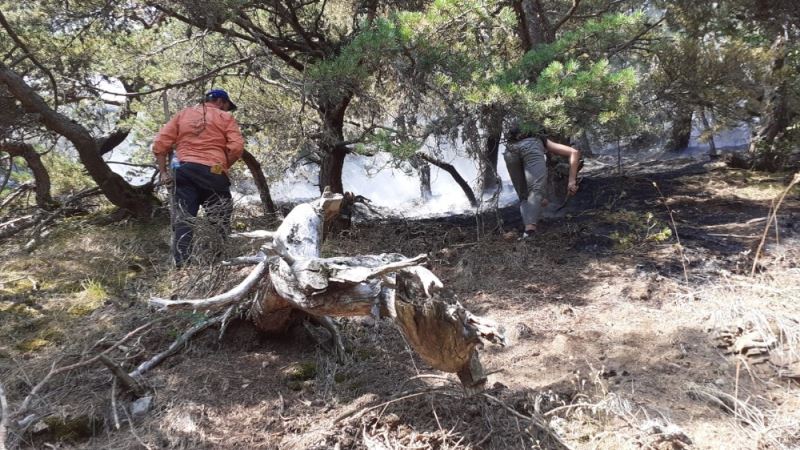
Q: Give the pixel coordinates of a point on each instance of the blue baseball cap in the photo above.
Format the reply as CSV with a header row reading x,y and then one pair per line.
x,y
220,93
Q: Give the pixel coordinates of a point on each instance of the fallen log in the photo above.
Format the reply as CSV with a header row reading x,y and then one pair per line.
x,y
290,276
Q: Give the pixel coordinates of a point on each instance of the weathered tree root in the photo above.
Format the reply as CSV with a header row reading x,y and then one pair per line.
x,y
393,286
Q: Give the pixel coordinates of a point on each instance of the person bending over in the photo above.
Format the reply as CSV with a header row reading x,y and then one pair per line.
x,y
207,141
526,163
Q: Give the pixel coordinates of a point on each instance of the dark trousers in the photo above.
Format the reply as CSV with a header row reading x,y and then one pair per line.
x,y
195,185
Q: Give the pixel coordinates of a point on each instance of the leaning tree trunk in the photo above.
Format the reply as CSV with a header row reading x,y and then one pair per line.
x,y
290,276
449,168
139,201
40,175
260,180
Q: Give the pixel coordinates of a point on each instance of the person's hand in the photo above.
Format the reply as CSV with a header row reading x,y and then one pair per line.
x,y
572,187
165,178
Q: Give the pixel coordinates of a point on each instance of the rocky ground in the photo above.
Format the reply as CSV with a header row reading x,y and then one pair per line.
x,y
622,332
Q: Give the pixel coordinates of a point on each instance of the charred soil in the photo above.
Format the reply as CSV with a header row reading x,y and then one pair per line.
x,y
633,320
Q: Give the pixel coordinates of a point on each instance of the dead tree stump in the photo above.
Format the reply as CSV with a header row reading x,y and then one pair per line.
x,y
290,275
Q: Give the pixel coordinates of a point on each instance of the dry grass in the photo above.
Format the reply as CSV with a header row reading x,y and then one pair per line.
x,y
610,348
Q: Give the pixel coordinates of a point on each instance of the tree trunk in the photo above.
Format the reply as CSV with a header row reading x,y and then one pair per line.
x,y
331,166
139,201
260,180
442,331
533,28
681,131
712,146
42,178
490,180
424,171
453,173
332,149
776,116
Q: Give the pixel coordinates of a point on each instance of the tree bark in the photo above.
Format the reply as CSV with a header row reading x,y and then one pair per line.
x,y
331,167
139,201
712,146
776,115
332,151
260,180
681,131
490,179
42,178
442,331
424,171
533,28
454,173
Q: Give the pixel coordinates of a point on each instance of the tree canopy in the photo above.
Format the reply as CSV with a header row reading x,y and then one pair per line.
x,y
318,80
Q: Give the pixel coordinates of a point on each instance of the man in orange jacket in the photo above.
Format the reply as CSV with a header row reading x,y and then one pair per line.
x,y
207,141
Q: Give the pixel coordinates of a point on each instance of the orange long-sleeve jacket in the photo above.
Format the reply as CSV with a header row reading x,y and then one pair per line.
x,y
203,134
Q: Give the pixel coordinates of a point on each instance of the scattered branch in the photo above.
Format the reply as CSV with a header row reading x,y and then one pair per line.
x,y
182,339
674,227
167,87
218,301
25,405
137,388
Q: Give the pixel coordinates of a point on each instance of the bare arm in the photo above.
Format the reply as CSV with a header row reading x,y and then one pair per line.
x,y
574,156
235,146
163,144
166,176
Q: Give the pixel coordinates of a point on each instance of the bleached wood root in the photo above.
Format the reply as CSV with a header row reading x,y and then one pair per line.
x,y
255,234
244,261
217,301
293,278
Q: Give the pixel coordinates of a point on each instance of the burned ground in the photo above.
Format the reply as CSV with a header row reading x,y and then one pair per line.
x,y
611,346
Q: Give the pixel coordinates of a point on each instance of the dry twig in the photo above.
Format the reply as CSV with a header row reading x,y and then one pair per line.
x,y
182,339
772,216
674,227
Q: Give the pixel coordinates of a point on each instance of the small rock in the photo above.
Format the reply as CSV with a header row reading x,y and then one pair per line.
x,y
141,406
719,382
608,373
